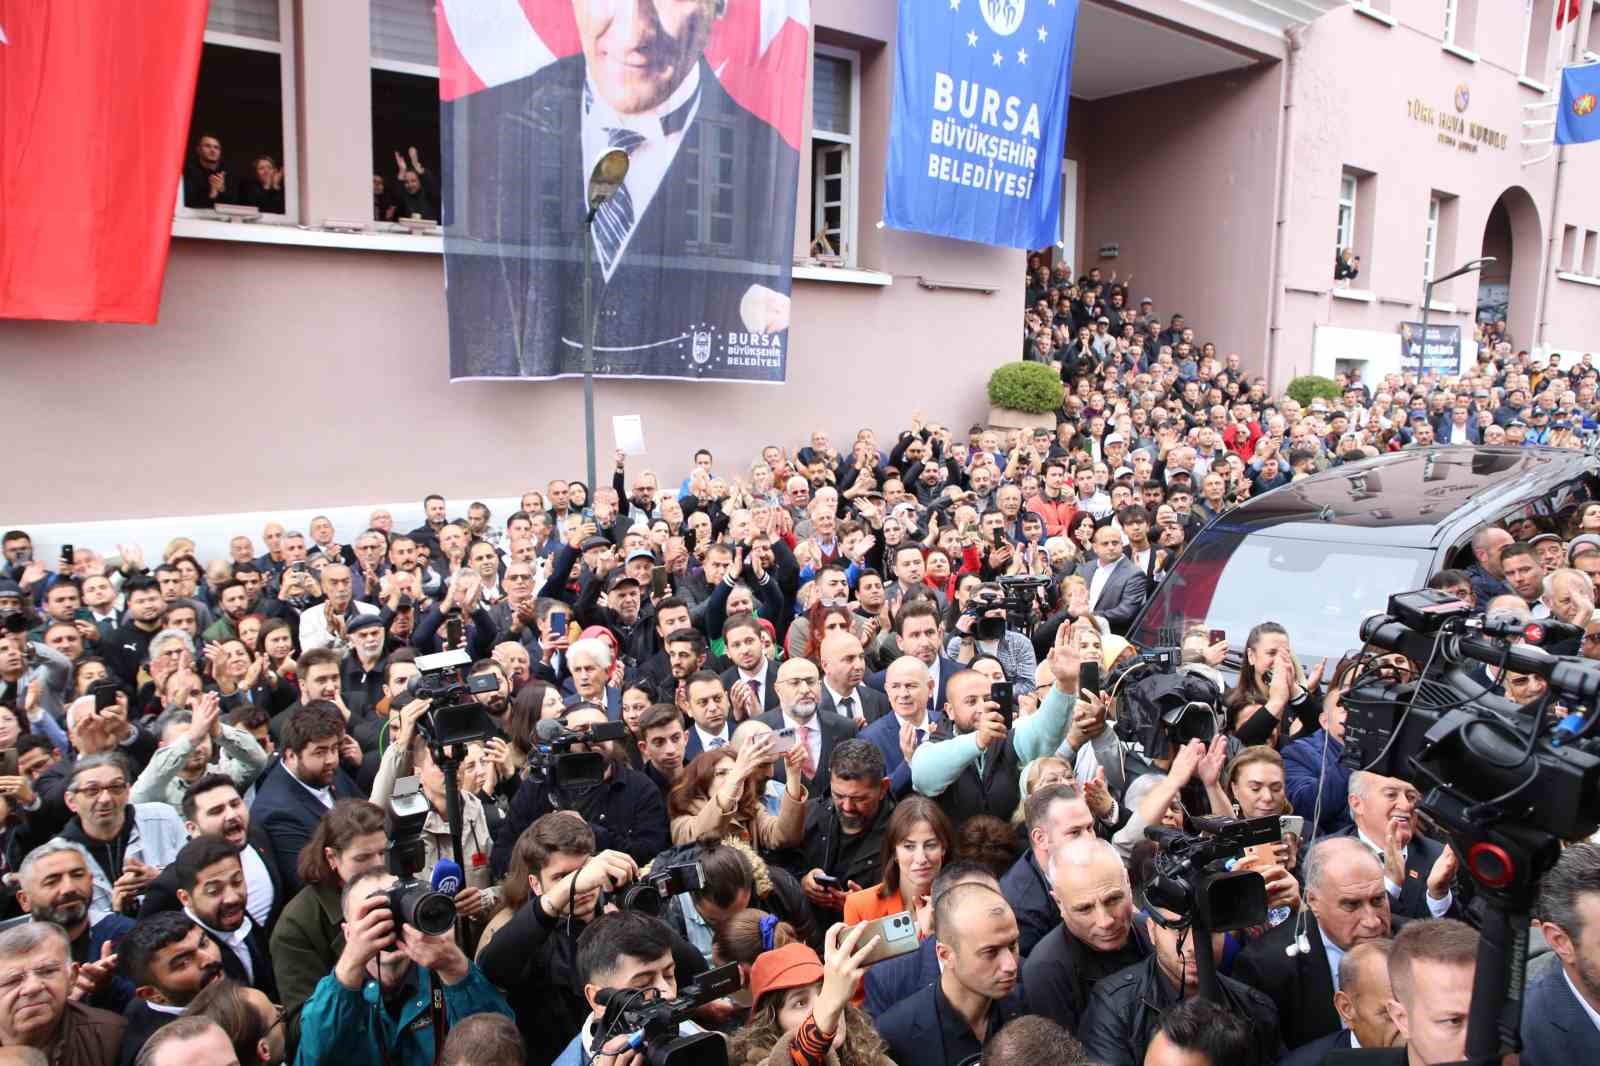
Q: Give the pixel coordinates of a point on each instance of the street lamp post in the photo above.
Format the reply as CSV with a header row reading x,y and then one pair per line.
x,y
1427,301
605,178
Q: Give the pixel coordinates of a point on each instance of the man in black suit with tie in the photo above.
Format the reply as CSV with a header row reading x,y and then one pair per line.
x,y
293,795
213,806
169,959
816,730
917,629
211,887
1348,906
708,713
844,665
1431,968
1559,1026
1117,588
751,668
1363,1005
1416,871
683,256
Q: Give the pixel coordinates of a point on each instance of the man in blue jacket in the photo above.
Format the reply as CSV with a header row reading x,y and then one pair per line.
x,y
374,1008
1311,763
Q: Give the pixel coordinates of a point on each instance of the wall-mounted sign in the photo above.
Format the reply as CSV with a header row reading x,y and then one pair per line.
x,y
1110,251
1455,129
1439,351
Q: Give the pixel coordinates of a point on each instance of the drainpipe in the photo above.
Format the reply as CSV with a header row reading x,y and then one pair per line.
x,y
1280,241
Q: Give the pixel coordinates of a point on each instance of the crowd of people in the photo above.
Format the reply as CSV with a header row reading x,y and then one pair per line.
x,y
791,721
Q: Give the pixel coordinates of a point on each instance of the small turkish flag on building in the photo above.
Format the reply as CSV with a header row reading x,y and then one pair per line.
x,y
1567,11
94,112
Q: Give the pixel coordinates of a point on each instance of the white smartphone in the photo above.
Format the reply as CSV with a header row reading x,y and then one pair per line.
x,y
1292,825
783,740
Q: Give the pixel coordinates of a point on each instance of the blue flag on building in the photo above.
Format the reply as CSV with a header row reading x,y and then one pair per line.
x,y
980,119
1577,115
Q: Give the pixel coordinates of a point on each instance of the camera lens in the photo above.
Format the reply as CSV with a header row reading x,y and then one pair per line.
x,y
435,914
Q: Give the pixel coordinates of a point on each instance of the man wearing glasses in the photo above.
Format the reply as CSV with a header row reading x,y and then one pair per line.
x,y
129,842
35,976
799,688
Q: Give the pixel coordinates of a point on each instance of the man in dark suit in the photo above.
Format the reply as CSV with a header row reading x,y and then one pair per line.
x,y
1348,905
893,980
1363,1005
751,668
211,887
977,935
169,959
1117,588
1558,1020
709,727
917,630
844,666
909,724
1054,816
799,709
1416,871
293,795
214,807
524,151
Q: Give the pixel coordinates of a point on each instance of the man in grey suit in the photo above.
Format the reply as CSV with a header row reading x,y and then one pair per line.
x,y
1558,1017
1117,588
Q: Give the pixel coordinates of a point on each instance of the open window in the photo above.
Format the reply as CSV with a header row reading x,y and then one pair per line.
x,y
835,133
405,109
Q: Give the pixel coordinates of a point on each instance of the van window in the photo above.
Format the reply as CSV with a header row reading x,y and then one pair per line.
x,y
1319,591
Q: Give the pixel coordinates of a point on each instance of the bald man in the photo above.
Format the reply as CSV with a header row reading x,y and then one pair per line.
x,y
1096,936
799,714
949,1022
844,664
1363,1005
907,688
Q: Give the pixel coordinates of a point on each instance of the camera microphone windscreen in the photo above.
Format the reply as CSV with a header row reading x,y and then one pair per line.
x,y
549,729
447,877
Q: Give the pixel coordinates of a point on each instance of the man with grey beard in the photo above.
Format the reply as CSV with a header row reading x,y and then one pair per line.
x,y
799,710
55,884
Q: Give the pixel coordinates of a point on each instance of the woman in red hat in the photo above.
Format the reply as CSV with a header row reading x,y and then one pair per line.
x,y
802,1014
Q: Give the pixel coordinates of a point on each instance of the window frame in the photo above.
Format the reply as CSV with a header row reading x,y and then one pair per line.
x,y
1345,219
850,227
1537,13
1430,240
287,77
398,66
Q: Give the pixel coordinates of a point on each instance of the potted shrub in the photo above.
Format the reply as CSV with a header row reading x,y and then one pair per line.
x,y
1308,387
1025,396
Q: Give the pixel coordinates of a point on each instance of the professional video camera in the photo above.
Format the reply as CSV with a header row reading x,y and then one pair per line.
x,y
413,902
650,893
554,760
1021,593
1507,783
656,1020
454,717
1163,705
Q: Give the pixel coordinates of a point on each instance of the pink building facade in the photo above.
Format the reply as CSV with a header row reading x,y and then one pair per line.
x,y
1217,151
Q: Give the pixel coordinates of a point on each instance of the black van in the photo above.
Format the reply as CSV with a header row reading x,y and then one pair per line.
x,y
1320,554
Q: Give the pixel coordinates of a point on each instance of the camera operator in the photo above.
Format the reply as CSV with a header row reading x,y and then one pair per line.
x,y
534,956
1417,872
1125,1009
981,630
979,771
1558,1020
626,810
374,1008
411,752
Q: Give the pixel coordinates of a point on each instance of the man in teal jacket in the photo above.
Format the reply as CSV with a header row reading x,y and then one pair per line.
x,y
373,1009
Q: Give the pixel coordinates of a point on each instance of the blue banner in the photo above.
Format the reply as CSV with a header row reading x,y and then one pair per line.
x,y
1577,115
980,119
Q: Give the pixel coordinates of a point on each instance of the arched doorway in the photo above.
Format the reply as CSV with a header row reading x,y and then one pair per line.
x,y
1509,287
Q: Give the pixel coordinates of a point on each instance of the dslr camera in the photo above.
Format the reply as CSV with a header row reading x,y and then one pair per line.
x,y
650,893
413,902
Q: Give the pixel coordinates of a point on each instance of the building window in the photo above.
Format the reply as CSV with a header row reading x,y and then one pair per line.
x,y
1431,241
405,108
1569,248
244,101
1591,240
835,132
1460,23
1537,27
1346,237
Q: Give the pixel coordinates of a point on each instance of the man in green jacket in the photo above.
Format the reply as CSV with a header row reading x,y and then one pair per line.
x,y
374,1008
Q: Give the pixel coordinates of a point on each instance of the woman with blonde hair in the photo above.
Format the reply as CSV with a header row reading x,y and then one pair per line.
x,y
720,793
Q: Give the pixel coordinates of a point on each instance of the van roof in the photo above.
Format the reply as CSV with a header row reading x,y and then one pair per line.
x,y
1416,497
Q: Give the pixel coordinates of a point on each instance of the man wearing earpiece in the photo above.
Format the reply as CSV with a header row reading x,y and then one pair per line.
x,y
687,249
1297,964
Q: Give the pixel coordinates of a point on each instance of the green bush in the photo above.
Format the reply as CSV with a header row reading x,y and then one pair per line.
x,y
1310,387
1033,388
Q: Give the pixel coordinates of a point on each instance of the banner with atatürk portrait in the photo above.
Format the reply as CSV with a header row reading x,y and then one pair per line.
x,y
690,258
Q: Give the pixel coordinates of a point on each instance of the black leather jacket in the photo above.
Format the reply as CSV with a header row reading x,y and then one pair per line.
x,y
1125,1011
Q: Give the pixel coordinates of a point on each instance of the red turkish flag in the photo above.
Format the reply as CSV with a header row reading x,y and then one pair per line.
x,y
1567,11
94,112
